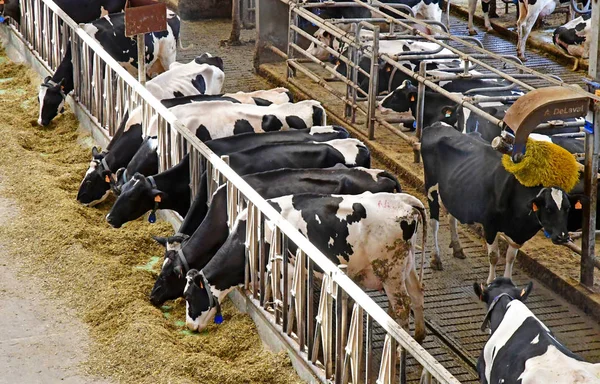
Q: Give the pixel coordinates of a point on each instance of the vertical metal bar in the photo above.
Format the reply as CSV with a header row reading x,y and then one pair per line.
x,y
373,84
310,308
592,148
301,300
393,354
402,372
369,350
262,271
141,47
286,288
341,332
420,109
293,20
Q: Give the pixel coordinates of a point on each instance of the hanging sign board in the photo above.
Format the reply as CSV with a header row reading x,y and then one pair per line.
x,y
144,16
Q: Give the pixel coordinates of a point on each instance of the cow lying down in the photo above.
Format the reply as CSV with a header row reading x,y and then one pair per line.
x,y
195,251
373,234
521,349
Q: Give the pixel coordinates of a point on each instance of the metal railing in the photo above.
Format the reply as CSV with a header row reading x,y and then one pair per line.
x,y
404,27
105,90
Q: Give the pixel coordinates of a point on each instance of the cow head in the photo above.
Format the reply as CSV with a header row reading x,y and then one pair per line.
x,y
403,99
97,181
501,288
551,208
327,39
207,58
137,197
52,100
201,304
171,281
12,9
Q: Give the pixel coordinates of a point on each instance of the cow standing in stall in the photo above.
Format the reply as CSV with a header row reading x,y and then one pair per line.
x,y
574,38
522,349
372,234
467,176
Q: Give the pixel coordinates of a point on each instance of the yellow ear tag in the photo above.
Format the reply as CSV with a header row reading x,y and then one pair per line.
x,y
107,179
412,97
578,205
201,285
522,292
388,69
337,62
534,207
157,198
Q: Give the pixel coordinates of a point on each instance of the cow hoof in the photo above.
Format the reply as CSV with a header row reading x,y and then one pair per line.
x,y
420,334
459,254
436,265
490,29
522,58
472,32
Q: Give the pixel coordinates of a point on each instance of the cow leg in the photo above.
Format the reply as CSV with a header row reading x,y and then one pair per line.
x,y
434,222
457,250
493,255
485,7
417,303
472,8
524,31
520,29
511,255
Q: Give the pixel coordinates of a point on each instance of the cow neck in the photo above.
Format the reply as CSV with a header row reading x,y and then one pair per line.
x,y
174,183
210,235
494,315
226,269
213,302
65,71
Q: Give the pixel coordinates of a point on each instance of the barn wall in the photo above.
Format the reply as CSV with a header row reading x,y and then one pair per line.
x,y
204,9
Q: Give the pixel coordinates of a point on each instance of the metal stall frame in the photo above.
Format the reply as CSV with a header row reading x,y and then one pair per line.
x,y
442,39
105,90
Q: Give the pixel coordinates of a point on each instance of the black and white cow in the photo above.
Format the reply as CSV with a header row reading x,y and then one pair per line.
x,y
96,184
184,252
574,38
522,349
529,11
145,161
110,33
217,119
261,98
81,11
167,190
467,176
373,234
139,194
231,144
202,76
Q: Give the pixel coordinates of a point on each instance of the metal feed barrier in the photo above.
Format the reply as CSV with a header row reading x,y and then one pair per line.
x,y
278,39
105,91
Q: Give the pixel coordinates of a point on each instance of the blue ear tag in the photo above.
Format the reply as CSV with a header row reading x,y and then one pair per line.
x,y
546,234
2,19
218,318
152,217
415,124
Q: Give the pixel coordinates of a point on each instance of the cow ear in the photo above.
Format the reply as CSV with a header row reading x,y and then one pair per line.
x,y
198,280
535,204
159,196
47,79
525,291
95,152
448,111
480,291
160,240
577,201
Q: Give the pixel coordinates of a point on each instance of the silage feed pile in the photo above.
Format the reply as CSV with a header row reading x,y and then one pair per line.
x,y
98,270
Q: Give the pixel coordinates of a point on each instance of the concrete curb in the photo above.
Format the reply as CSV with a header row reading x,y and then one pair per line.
x,y
569,289
532,42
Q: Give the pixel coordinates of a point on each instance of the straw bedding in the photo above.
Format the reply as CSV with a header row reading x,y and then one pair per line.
x,y
99,270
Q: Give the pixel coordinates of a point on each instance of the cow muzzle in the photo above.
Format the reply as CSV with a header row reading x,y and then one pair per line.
x,y
560,239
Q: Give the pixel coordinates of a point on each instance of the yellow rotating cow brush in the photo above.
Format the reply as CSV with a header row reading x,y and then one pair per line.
x,y
545,164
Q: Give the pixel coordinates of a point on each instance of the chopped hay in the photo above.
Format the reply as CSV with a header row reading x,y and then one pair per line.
x,y
545,164
104,273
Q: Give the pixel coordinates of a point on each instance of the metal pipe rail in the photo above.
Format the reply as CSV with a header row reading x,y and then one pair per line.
x,y
104,87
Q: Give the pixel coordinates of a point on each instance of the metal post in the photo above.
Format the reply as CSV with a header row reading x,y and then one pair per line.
x,y
592,148
373,84
420,110
141,46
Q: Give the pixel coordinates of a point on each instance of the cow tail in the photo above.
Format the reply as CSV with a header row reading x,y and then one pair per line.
x,y
181,47
390,176
423,215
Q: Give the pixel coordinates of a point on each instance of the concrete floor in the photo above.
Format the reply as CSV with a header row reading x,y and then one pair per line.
x,y
41,340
